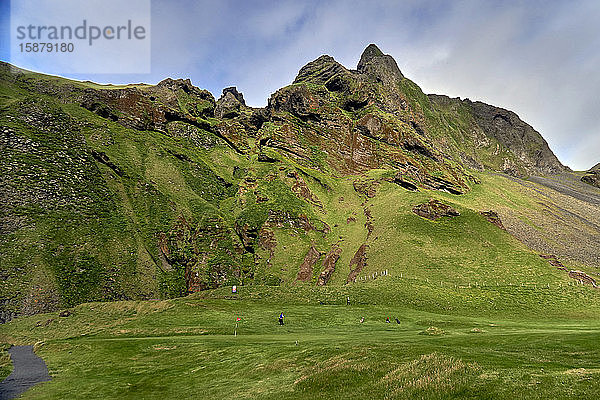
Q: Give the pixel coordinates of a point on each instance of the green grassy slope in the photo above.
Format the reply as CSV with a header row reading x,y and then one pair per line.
x,y
186,348
80,229
100,209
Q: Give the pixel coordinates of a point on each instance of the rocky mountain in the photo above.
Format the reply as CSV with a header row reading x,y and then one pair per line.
x,y
530,152
387,107
142,191
592,176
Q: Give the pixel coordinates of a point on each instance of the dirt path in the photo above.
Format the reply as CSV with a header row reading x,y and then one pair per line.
x,y
29,370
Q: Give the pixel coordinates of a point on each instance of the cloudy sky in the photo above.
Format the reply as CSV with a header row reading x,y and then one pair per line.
x,y
540,59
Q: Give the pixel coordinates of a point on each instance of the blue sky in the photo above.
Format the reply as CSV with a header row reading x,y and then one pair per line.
x,y
538,58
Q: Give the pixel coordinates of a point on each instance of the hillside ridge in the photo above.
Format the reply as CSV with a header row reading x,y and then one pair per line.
x,y
146,191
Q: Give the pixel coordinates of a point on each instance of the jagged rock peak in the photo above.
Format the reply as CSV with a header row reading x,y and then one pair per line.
x,y
320,70
371,51
170,82
381,66
233,90
183,84
230,103
170,92
595,168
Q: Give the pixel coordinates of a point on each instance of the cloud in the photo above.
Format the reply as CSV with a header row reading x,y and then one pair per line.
x,y
537,58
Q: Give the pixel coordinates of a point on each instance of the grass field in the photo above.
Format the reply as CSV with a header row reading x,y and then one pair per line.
x,y
186,348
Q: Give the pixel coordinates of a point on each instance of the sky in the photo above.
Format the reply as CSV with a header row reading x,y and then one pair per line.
x,y
540,59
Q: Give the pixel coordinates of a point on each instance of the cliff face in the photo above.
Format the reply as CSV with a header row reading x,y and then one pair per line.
x,y
521,139
517,148
371,117
143,191
377,102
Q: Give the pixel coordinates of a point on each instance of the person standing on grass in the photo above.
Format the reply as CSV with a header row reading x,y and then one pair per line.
x,y
348,300
281,319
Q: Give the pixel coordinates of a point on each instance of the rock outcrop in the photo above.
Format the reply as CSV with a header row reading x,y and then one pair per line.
x,y
321,71
434,210
592,179
380,66
554,261
494,218
329,265
358,263
306,269
178,93
230,104
582,278
593,176
579,276
358,119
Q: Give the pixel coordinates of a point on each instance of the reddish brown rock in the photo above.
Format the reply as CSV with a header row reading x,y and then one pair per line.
x,y
366,187
369,223
434,210
329,265
583,278
553,261
266,239
301,189
494,218
306,268
580,276
359,261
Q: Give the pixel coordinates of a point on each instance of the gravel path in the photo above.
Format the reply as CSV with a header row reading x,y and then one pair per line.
x,y
570,185
28,370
